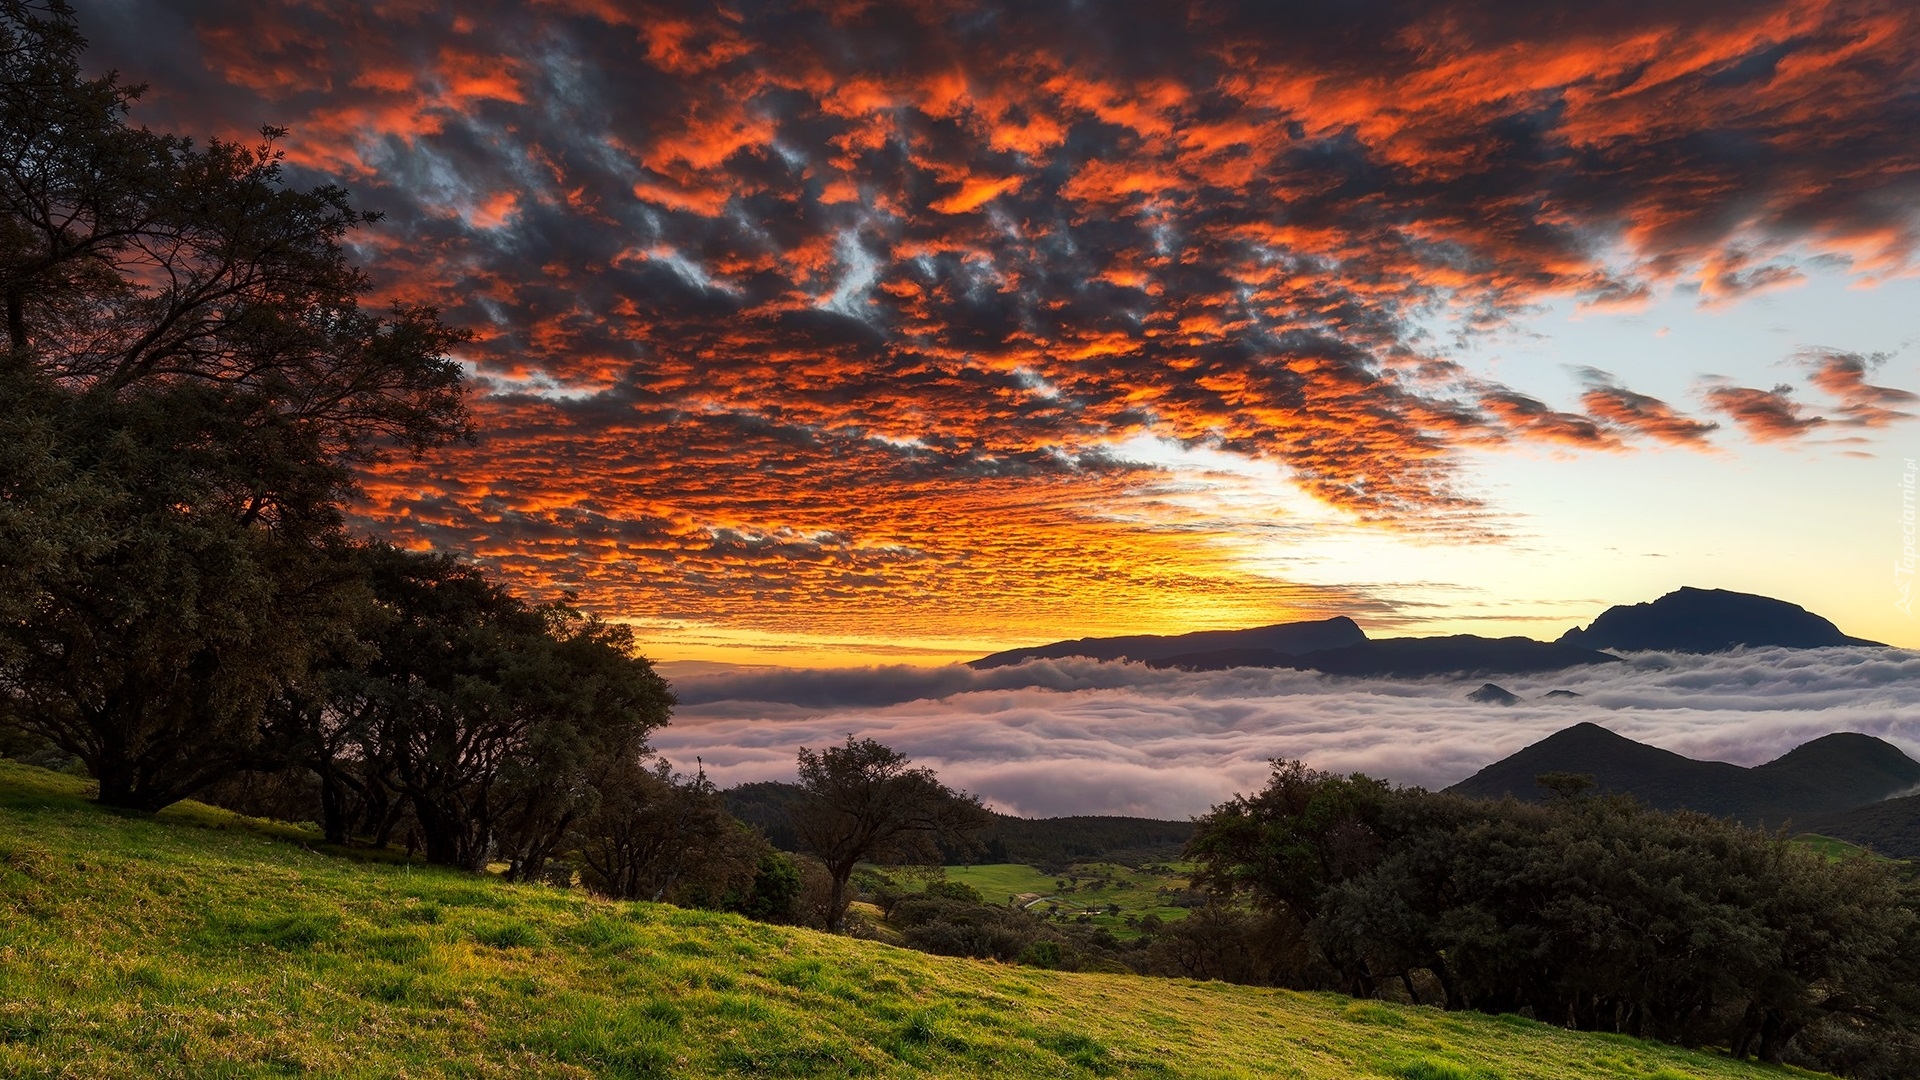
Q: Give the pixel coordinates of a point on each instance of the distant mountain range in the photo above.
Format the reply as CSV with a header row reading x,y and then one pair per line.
x,y
1409,658
1687,620
1707,621
1280,639
1813,786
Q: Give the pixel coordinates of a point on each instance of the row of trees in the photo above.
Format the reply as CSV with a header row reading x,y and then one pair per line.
x,y
1590,912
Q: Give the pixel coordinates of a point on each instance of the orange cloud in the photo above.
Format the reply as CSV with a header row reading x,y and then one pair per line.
x,y
792,314
1635,413
1765,415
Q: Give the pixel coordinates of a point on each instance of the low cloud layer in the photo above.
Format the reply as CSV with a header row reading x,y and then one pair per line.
x,y
1079,737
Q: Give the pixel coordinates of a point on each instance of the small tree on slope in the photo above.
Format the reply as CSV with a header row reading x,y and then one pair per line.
x,y
866,803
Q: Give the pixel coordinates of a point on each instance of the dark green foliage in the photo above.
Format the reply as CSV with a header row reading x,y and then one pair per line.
x,y
773,894
958,891
768,806
1591,912
492,724
1062,841
1287,845
1233,944
1890,828
1044,954
656,836
152,644
865,803
965,928
189,381
950,918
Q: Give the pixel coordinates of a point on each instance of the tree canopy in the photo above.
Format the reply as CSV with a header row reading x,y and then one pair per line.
x,y
865,801
1592,912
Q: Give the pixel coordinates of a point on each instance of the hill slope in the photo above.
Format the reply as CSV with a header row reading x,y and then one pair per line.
x,y
191,945
1832,773
1890,827
1708,620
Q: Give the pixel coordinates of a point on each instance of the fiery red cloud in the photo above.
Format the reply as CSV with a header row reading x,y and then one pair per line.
x,y
784,307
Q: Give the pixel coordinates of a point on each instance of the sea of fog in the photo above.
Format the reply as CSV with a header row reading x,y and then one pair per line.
x,y
1078,736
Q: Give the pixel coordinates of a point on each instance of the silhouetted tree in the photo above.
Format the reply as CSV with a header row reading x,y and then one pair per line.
x,y
1285,846
153,639
192,379
865,802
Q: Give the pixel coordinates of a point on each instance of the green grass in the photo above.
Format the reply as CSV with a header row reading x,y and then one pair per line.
x,y
1088,887
198,944
1834,848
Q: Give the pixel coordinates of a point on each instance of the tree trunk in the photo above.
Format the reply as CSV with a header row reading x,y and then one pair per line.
x,y
1452,995
116,788
837,899
122,789
443,839
333,818
16,320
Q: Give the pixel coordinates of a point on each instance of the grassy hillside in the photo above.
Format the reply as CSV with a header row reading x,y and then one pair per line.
x,y
200,945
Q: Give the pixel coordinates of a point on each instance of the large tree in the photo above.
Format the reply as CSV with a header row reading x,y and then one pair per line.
x,y
194,381
151,624
130,259
865,802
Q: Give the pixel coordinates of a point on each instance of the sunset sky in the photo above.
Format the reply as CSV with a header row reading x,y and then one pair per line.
x,y
828,333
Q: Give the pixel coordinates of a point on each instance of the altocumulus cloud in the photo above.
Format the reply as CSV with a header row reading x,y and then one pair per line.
x,y
1081,737
842,318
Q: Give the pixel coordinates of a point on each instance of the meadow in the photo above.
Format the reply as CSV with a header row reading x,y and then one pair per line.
x,y
1084,888
196,943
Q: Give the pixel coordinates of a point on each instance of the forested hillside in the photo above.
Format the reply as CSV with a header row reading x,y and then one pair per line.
x,y
1041,842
